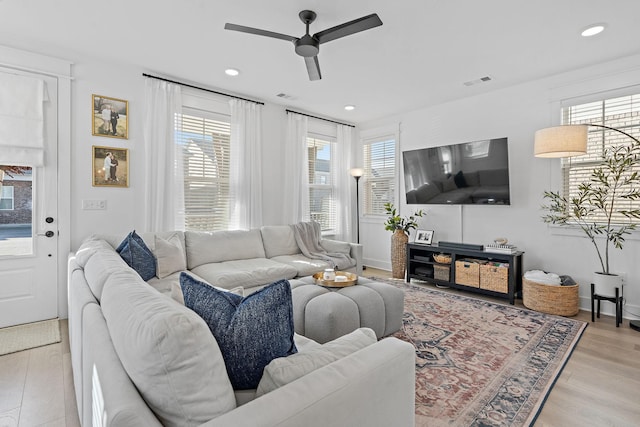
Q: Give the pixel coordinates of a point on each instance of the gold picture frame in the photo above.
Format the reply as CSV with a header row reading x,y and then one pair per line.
x,y
118,174
110,117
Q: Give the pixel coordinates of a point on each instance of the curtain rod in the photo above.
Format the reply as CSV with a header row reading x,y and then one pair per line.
x,y
320,118
201,88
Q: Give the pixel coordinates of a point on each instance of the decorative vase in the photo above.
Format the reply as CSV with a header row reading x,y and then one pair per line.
x,y
399,241
606,284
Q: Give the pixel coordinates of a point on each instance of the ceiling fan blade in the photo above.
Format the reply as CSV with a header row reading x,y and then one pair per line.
x,y
348,28
259,32
313,67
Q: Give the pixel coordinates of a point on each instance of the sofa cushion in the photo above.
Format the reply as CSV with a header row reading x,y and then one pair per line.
x,y
97,269
251,331
219,246
247,273
279,240
137,255
304,266
167,351
170,255
284,370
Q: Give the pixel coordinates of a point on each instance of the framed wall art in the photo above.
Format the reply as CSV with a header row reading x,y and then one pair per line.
x,y
110,117
424,237
110,167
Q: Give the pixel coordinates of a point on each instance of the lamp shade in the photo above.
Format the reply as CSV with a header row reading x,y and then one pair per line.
x,y
561,141
356,172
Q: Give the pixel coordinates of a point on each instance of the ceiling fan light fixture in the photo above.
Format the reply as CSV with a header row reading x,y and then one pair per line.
x,y
231,72
592,30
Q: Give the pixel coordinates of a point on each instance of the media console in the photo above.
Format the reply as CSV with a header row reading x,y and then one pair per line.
x,y
421,265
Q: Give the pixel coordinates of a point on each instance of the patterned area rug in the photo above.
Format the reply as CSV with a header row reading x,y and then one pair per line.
x,y
480,363
30,335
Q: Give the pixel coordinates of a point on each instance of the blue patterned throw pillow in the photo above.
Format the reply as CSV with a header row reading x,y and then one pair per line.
x,y
138,256
250,331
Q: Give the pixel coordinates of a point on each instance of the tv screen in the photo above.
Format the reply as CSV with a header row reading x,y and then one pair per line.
x,y
469,173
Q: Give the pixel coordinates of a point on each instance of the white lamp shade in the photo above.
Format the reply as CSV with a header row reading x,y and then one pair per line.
x,y
356,172
561,141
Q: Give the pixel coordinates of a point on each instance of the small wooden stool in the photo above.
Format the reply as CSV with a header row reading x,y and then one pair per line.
x,y
617,300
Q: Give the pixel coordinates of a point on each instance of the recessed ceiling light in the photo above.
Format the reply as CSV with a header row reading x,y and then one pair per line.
x,y
231,72
592,30
349,107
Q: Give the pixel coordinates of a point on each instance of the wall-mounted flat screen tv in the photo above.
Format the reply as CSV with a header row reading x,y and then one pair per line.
x,y
469,173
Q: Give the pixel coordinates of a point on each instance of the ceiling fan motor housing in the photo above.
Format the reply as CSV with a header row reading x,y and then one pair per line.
x,y
307,46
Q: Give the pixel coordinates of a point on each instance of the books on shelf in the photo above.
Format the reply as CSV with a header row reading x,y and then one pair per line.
x,y
500,249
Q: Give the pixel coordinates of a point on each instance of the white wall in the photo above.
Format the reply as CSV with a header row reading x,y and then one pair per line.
x,y
124,206
516,112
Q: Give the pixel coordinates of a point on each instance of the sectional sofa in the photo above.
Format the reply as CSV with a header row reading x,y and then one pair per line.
x,y
140,357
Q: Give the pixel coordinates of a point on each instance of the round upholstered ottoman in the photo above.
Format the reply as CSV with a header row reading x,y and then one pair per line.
x,y
324,314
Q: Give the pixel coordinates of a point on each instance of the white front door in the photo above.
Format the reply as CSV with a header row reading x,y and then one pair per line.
x,y
28,228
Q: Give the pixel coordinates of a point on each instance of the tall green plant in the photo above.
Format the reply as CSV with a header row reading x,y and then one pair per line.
x,y
396,222
611,183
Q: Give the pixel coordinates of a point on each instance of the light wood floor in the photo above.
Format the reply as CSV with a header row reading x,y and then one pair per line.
x,y
599,386
36,386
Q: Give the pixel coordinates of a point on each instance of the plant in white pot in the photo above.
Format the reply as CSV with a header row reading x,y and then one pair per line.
x,y
401,227
601,207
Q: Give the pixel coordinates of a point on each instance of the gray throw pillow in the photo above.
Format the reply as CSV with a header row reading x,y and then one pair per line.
x,y
251,331
284,370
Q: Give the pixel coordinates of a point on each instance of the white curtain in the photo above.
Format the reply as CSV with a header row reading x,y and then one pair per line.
x,y
246,165
296,185
343,181
163,157
21,120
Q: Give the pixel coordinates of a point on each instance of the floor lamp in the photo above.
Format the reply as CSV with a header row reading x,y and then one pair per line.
x,y
357,174
569,141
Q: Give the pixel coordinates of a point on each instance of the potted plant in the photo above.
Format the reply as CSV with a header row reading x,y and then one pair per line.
x,y
401,227
598,208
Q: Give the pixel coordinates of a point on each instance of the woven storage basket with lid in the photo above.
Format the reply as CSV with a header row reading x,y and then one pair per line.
x,y
558,300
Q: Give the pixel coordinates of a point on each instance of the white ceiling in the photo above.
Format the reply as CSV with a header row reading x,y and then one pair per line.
x,y
421,55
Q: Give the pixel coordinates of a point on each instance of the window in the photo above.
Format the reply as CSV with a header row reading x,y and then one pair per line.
x,y
6,198
621,113
379,174
205,138
322,203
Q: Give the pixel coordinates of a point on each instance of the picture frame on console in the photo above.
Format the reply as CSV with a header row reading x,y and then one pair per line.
x,y
424,237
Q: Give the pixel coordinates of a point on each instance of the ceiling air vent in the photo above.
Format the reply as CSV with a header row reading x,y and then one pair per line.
x,y
480,80
284,96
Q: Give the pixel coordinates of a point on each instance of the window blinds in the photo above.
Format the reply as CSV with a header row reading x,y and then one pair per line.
x,y
622,113
205,143
379,174
322,203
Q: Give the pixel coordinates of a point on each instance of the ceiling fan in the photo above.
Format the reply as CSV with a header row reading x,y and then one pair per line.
x,y
308,46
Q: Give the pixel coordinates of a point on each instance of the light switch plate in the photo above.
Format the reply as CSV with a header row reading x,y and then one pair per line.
x,y
94,205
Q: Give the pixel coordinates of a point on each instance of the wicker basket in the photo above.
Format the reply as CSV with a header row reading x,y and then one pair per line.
x,y
559,300
441,272
494,278
468,272
442,258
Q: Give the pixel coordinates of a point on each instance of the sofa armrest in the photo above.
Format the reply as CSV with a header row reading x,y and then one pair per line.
x,y
356,253
371,387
